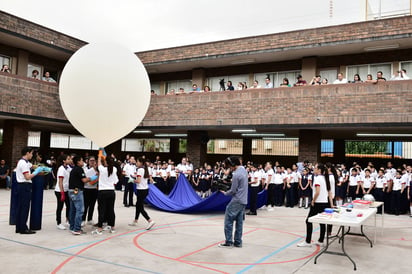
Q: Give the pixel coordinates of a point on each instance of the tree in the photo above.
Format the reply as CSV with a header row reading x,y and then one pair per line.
x,y
364,147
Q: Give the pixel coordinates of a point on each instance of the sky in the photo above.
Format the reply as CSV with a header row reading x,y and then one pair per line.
x,y
152,24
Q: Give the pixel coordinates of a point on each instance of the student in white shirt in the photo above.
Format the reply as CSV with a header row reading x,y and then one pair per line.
x,y
399,186
62,188
90,191
321,200
129,172
142,190
368,183
255,179
106,195
353,184
270,187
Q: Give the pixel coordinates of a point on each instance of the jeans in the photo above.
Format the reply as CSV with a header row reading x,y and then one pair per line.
x,y
76,209
234,213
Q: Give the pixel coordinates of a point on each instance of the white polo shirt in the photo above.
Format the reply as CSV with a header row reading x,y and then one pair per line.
x,y
64,173
256,178
143,181
107,182
319,181
23,167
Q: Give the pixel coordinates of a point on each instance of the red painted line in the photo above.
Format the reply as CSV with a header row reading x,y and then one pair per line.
x,y
209,246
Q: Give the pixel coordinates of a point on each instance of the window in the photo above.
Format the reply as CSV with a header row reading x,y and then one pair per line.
x,y
378,9
326,147
32,67
225,146
408,67
156,87
214,82
146,145
34,139
4,60
58,140
328,73
277,77
186,84
364,70
276,146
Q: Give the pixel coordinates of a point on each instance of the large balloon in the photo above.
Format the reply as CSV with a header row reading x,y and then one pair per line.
x,y
104,92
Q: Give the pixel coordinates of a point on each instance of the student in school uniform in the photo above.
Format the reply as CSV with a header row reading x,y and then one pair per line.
x,y
255,180
399,185
380,188
106,195
270,187
368,183
305,186
142,190
90,191
279,186
194,181
62,188
321,200
353,184
172,176
129,172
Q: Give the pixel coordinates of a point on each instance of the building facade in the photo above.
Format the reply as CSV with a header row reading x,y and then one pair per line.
x,y
380,111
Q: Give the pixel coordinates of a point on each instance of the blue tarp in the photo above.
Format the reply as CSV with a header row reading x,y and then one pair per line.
x,y
183,199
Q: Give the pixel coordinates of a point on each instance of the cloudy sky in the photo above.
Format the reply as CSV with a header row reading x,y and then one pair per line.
x,y
152,24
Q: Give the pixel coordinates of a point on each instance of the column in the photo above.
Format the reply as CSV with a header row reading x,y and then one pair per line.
x,y
247,150
199,77
15,136
339,151
197,147
309,145
309,67
23,62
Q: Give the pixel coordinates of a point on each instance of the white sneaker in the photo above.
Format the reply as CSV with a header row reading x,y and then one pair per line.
x,y
270,208
134,223
320,244
61,227
263,207
304,244
150,225
83,223
106,228
97,232
112,230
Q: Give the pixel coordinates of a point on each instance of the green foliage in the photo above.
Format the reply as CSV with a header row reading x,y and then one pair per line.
x,y
182,145
362,147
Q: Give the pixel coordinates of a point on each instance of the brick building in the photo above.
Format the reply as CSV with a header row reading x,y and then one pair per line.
x,y
382,111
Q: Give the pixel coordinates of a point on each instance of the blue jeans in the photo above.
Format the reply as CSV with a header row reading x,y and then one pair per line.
x,y
76,210
234,213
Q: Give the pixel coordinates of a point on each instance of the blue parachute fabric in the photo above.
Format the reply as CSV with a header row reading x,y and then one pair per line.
x,y
183,199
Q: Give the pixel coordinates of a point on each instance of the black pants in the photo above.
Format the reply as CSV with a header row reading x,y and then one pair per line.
x,y
90,197
105,207
253,198
23,206
60,205
279,198
141,195
352,192
271,195
317,208
291,195
379,196
128,193
396,201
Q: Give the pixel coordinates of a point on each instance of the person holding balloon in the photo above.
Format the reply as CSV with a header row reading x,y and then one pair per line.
x,y
62,188
90,191
77,181
106,195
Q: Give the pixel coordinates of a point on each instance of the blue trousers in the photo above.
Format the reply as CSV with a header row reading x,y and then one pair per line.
x,y
76,210
23,206
234,213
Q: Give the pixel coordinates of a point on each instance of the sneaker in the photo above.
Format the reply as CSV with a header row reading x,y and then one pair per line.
x,y
76,232
107,228
321,244
263,207
304,244
61,226
90,222
112,230
238,245
270,208
97,232
83,223
134,223
225,245
150,225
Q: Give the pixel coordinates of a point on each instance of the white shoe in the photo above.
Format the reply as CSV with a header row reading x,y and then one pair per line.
x,y
106,228
61,227
320,244
134,223
112,230
150,225
270,208
263,207
83,223
97,232
304,244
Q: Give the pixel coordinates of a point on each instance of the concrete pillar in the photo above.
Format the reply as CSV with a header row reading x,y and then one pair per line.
x,y
309,145
196,149
199,77
15,136
174,146
309,67
247,149
339,151
23,62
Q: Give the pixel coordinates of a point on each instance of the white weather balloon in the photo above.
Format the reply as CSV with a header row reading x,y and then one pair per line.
x,y
104,92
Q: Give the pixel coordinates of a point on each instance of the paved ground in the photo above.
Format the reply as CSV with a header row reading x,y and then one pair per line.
x,y
182,243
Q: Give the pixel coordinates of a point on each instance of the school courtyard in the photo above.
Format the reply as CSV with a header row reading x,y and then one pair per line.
x,y
187,243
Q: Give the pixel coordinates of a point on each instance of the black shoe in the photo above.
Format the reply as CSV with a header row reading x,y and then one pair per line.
x,y
28,232
251,213
225,245
238,245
